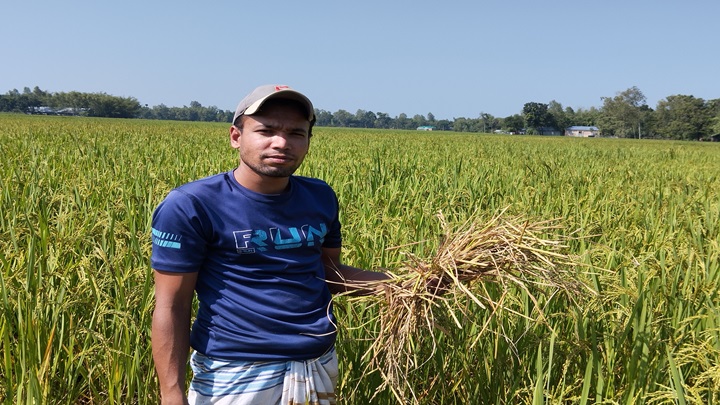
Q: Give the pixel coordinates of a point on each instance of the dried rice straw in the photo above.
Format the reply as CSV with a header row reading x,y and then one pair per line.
x,y
507,251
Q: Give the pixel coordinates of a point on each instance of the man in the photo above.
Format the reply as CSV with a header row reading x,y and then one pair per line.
x,y
261,247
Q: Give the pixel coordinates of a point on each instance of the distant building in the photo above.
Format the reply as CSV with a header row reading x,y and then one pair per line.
x,y
582,131
548,131
425,128
44,110
41,110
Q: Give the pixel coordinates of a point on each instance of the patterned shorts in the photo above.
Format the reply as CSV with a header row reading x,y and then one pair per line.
x,y
279,382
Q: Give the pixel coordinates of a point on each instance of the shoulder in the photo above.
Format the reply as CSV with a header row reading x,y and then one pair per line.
x,y
311,183
196,194
310,188
206,186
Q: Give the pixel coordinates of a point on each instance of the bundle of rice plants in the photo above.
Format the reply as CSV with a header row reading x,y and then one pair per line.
x,y
424,298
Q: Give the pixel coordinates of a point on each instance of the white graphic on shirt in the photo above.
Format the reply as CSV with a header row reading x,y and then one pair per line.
x,y
242,241
249,241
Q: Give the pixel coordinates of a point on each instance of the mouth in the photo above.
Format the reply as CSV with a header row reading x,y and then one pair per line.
x,y
279,158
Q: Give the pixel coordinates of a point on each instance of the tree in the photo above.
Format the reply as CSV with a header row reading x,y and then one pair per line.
x,y
560,118
383,120
513,124
624,114
589,117
195,111
162,112
683,117
536,116
41,96
418,120
342,118
443,125
714,110
8,102
323,118
463,124
74,99
147,113
402,121
104,105
365,119
487,121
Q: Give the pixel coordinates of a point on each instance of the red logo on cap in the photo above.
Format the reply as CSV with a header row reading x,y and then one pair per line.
x,y
278,88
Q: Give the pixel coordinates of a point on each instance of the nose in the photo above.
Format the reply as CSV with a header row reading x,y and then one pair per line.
x,y
280,141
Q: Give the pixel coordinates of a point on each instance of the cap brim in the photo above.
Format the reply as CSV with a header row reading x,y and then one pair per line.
x,y
287,94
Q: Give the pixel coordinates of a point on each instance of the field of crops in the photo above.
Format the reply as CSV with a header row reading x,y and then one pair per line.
x,y
644,219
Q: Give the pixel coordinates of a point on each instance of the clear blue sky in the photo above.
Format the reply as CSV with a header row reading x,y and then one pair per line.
x,y
451,58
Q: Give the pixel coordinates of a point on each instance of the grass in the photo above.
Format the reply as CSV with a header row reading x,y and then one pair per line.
x,y
76,196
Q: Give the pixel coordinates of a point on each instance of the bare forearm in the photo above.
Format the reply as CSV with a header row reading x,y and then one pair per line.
x,y
356,281
170,347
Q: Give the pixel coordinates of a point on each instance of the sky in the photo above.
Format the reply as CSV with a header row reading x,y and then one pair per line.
x,y
450,58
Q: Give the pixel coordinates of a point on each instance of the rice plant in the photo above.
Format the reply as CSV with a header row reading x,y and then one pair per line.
x,y
76,196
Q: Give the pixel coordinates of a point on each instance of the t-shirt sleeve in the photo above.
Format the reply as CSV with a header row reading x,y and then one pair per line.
x,y
180,233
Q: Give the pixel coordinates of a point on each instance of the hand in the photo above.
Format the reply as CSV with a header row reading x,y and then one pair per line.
x,y
438,285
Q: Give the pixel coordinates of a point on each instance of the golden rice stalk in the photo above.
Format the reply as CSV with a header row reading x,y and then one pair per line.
x,y
507,251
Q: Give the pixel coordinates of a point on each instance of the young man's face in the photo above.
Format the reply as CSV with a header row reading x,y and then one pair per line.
x,y
274,141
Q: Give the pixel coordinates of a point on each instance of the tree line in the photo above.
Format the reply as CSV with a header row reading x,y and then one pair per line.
x,y
624,115
37,101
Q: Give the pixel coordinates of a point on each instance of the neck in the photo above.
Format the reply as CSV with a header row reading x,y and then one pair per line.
x,y
260,183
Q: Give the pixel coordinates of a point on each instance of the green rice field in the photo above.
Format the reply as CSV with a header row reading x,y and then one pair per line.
x,y
641,217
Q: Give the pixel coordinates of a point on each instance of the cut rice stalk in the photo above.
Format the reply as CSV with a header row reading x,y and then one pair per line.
x,y
415,306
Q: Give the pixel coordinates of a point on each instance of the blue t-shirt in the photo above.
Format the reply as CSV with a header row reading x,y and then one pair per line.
x,y
261,289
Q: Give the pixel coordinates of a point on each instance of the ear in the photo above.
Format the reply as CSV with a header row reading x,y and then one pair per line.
x,y
235,134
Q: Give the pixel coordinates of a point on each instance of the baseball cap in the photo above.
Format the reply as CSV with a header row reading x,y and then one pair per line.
x,y
252,102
